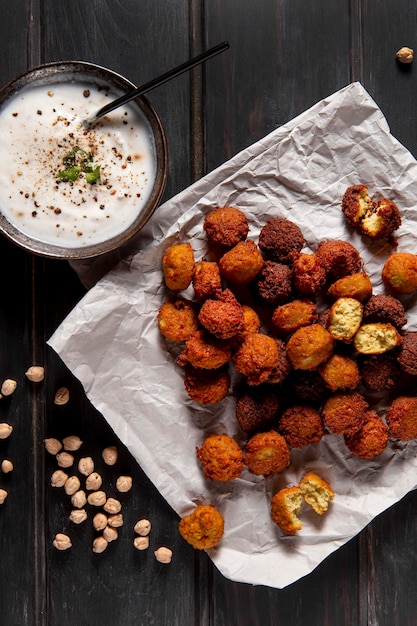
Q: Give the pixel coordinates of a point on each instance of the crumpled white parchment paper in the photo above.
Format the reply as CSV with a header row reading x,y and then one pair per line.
x,y
111,342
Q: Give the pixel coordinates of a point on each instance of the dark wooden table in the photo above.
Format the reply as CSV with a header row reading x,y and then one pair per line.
x,y
284,56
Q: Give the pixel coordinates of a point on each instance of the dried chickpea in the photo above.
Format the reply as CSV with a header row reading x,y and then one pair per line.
x,y
78,516
110,455
65,459
3,495
100,521
72,485
72,443
35,373
8,387
112,506
124,484
6,466
5,430
141,543
142,527
53,446
61,396
116,520
100,544
97,498
62,542
163,555
79,499
93,481
86,466
59,478
110,533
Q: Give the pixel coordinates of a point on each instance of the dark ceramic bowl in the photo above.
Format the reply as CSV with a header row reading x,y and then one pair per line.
x,y
58,72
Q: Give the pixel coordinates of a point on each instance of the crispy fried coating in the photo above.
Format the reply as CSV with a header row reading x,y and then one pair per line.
x,y
380,372
285,509
356,204
382,220
407,355
309,277
222,317
309,346
288,317
251,324
207,282
316,492
371,439
178,319
242,263
306,386
221,457
267,453
399,273
338,259
226,226
256,408
344,412
274,283
401,418
376,338
206,386
340,372
281,240
301,425
385,309
256,358
283,366
203,528
356,286
344,320
204,351
178,266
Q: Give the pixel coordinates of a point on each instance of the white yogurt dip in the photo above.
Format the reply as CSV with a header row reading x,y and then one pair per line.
x,y
43,139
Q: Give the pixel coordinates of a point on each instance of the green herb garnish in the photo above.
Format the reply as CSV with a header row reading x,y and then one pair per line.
x,y
78,161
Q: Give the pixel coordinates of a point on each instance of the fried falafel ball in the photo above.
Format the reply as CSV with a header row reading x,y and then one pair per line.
x,y
221,457
204,351
344,320
376,338
340,372
266,453
178,319
256,358
178,266
242,263
292,315
316,492
206,386
251,324
226,226
207,282
407,355
203,528
399,273
371,439
344,412
309,346
257,408
338,259
401,418
380,372
382,220
301,425
309,277
385,309
274,283
356,204
222,317
306,386
285,509
356,286
281,240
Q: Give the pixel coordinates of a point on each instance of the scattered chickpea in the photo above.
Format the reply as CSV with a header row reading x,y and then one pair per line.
x,y
65,459
110,533
61,396
62,542
6,466
79,499
72,443
72,485
124,484
78,516
35,373
5,430
116,520
3,495
100,521
163,555
142,527
8,387
112,506
93,481
405,55
141,543
100,544
110,455
53,446
86,466
59,478
97,498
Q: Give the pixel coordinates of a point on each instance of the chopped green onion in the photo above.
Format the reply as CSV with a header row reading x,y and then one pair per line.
x,y
78,161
